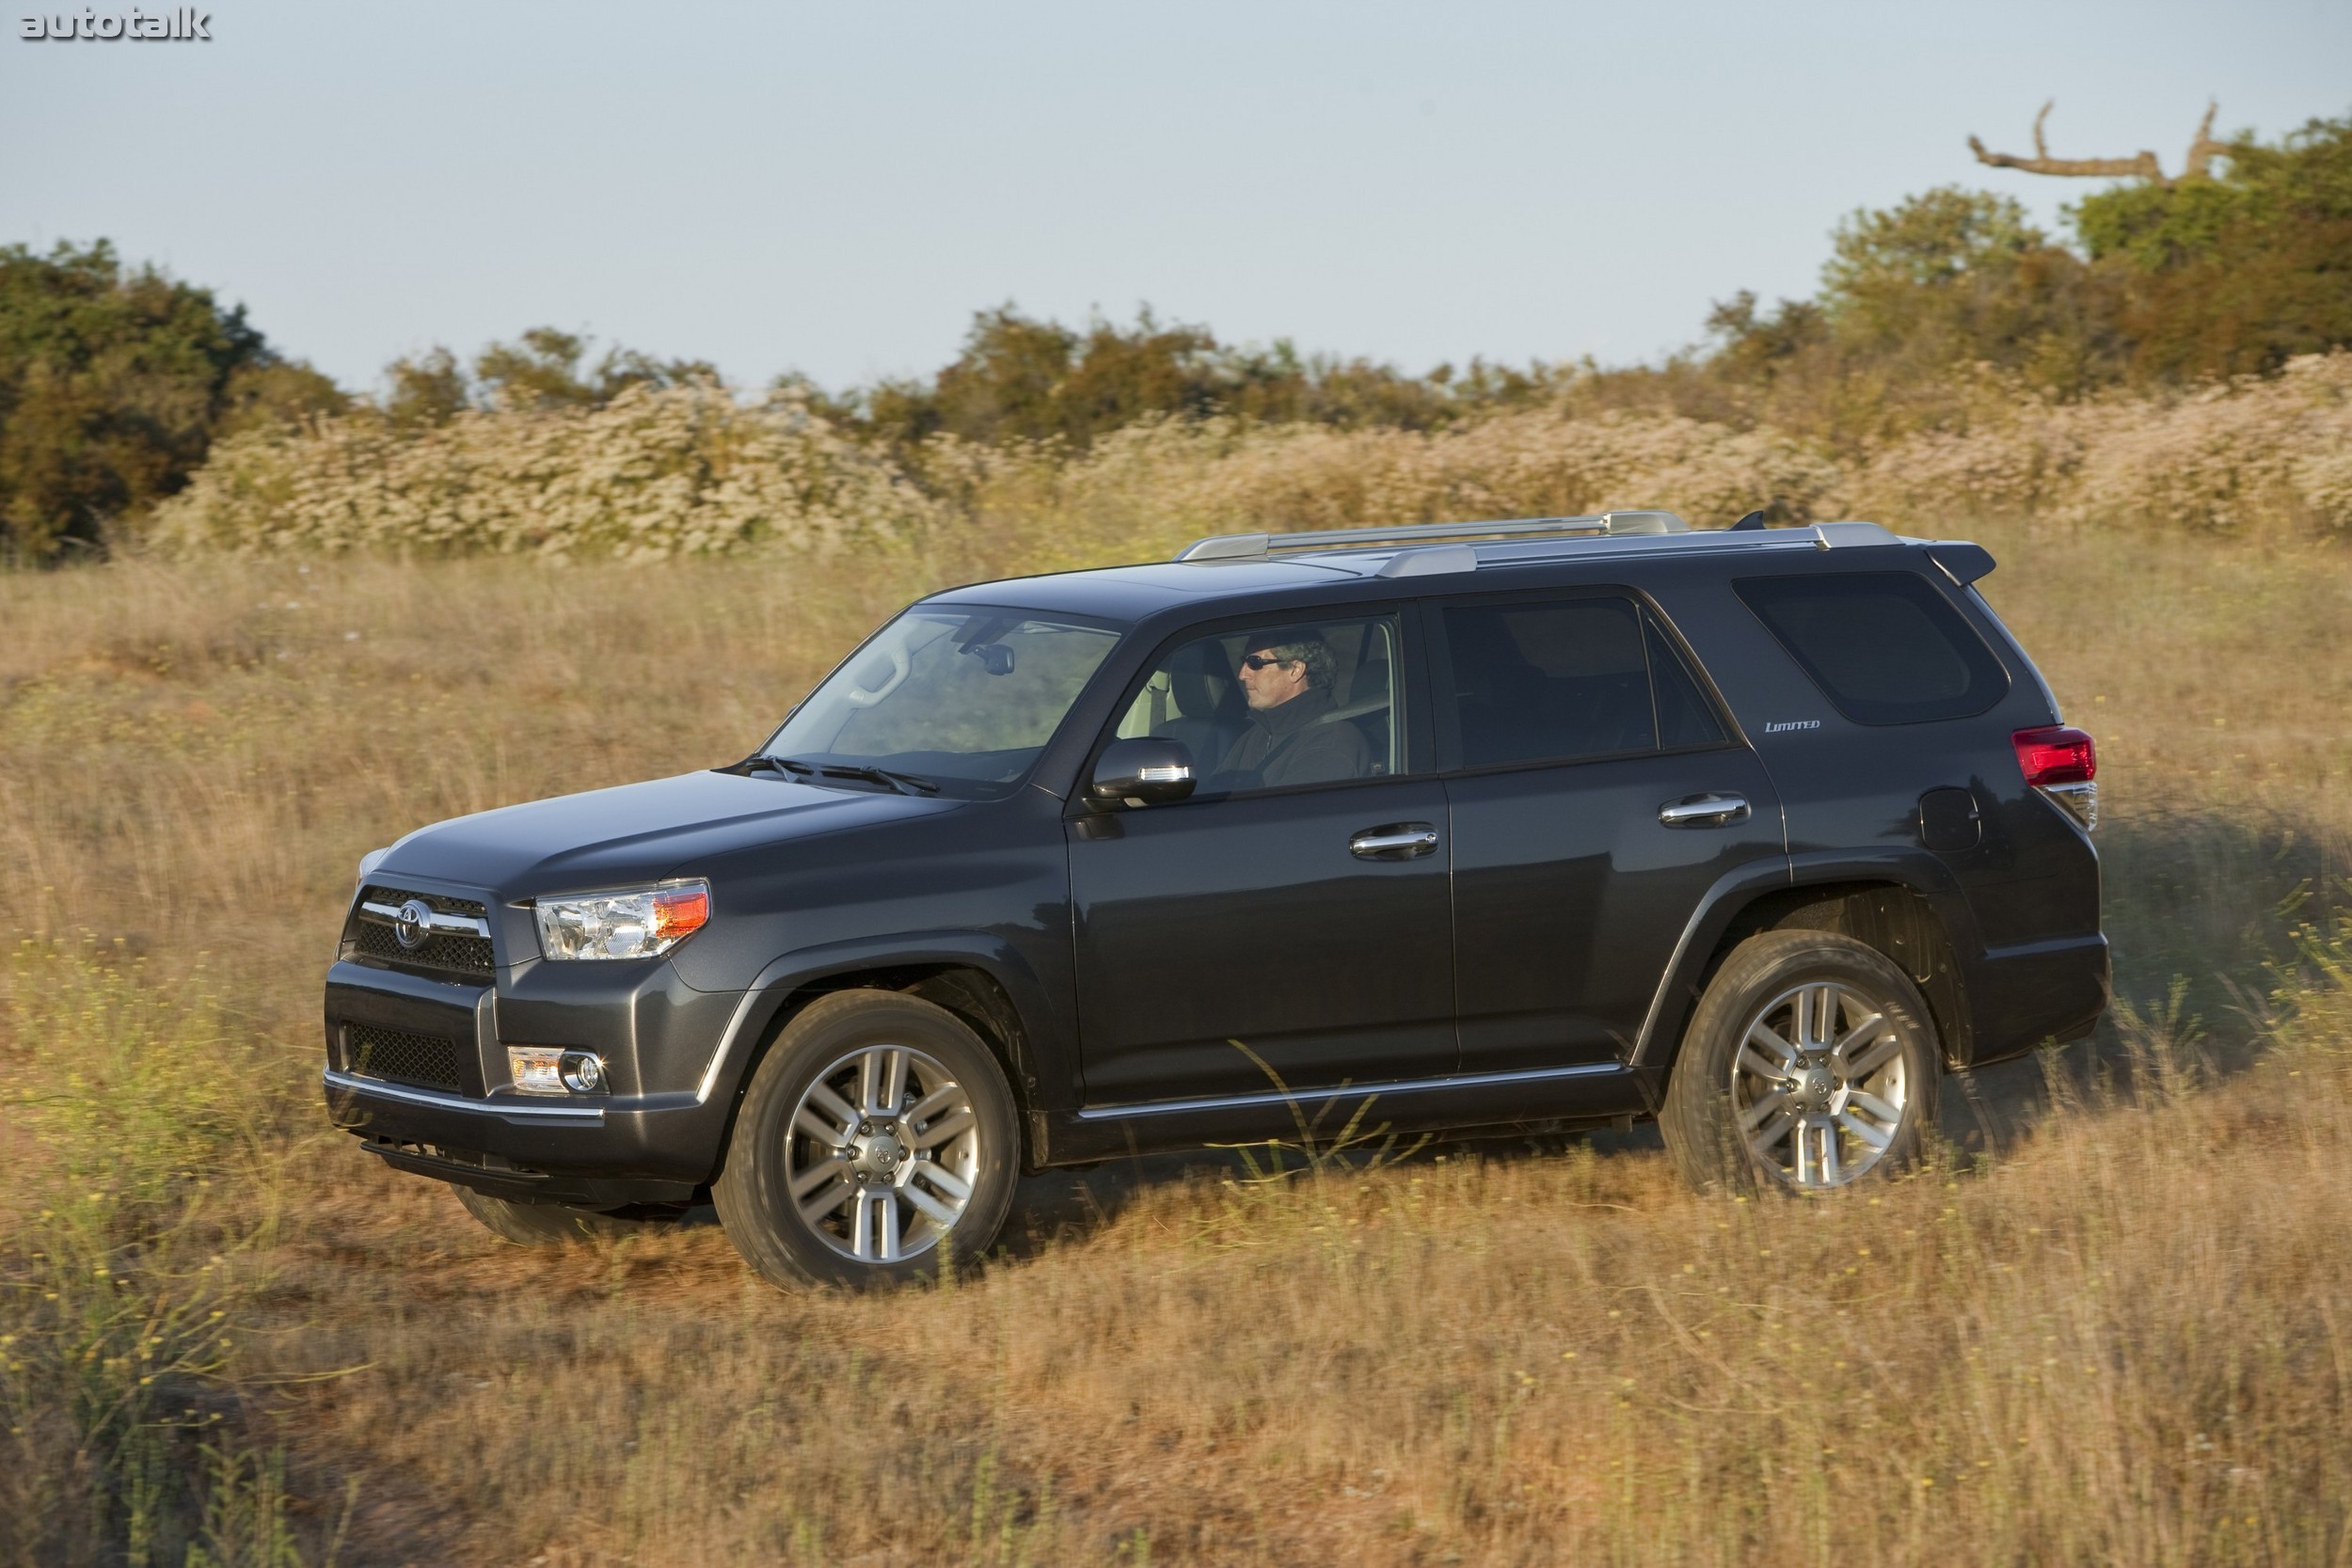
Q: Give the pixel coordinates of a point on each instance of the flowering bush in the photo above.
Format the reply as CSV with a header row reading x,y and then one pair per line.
x,y
2248,454
687,470
1215,475
682,470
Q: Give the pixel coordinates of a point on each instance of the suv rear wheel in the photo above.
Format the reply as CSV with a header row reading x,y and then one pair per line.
x,y
1811,1062
878,1131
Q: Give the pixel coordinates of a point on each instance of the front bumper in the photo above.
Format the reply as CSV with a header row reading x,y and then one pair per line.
x,y
655,1139
644,1150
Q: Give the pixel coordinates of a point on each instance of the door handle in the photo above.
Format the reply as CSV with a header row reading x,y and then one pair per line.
x,y
1704,811
1398,841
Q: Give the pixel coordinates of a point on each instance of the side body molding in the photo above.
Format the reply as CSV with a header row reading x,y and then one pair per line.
x,y
1678,989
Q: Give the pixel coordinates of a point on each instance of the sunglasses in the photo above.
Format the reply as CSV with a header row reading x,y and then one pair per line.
x,y
1258,661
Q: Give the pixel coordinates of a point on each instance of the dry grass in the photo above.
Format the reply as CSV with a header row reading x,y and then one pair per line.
x,y
2125,1339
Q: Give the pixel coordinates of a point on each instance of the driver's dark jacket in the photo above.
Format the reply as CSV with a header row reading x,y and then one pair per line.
x,y
1286,745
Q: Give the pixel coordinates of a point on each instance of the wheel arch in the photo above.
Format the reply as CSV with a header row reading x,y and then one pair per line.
x,y
1912,916
980,987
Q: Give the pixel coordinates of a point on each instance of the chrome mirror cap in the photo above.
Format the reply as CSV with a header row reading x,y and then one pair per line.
x,y
1147,771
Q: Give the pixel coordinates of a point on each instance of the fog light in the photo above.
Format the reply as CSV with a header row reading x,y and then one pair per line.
x,y
552,1069
536,1069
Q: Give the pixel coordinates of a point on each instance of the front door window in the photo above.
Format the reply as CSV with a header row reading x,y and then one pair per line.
x,y
1290,701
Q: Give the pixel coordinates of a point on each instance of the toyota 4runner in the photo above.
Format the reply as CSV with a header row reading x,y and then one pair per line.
x,y
1548,822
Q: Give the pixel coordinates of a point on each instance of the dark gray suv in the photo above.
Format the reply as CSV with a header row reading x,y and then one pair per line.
x,y
1541,822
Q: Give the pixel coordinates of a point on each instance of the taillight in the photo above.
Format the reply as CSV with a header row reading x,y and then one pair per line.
x,y
2062,763
2055,754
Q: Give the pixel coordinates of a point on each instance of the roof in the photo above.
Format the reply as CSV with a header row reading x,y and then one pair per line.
x,y
1131,592
1246,565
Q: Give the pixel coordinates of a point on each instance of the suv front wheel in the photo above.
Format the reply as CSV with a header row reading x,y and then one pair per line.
x,y
1811,1062
877,1135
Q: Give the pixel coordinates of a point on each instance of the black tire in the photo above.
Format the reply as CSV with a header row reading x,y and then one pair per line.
x,y
772,1147
1815,1126
549,1224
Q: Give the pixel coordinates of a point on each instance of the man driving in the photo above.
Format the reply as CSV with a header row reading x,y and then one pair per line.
x,y
1286,676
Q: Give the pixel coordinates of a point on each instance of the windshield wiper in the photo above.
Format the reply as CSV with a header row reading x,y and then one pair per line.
x,y
792,766
904,784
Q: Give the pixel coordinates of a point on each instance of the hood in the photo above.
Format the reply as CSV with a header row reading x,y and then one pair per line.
x,y
636,832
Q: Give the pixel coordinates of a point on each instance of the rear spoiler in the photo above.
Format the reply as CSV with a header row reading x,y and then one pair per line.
x,y
1962,564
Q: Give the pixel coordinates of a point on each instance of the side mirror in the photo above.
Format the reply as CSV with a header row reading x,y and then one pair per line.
x,y
1145,771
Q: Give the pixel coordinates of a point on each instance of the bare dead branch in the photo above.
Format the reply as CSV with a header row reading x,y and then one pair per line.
x,y
2201,152
2144,167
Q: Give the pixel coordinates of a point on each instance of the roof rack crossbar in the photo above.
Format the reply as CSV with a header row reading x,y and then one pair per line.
x,y
1234,546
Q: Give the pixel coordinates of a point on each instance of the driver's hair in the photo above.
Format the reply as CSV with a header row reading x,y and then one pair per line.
x,y
1298,644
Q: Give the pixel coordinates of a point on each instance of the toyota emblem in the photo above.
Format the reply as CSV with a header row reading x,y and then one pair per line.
x,y
413,925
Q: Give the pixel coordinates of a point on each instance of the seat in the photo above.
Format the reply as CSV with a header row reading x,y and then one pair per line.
x,y
1502,697
1368,707
1211,713
1591,716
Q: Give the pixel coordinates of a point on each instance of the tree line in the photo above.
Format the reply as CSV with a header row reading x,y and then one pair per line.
x,y
115,380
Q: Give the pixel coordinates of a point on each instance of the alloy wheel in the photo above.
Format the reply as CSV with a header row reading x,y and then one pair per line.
x,y
883,1151
1818,1086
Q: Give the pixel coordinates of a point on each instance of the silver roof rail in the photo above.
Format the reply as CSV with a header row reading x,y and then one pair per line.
x,y
1241,547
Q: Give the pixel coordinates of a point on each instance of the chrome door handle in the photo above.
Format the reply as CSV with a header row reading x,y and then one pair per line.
x,y
1399,841
1704,811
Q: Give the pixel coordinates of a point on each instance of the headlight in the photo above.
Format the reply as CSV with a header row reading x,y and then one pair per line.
x,y
641,923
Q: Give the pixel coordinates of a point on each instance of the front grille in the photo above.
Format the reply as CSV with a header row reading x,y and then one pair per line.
x,y
443,952
428,1061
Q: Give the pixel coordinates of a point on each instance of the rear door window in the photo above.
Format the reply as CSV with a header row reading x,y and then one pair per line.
x,y
1556,680
1884,647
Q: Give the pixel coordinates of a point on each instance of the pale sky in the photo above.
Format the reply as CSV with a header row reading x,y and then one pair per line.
x,y
836,188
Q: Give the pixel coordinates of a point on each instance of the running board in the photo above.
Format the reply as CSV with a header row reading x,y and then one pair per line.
x,y
1592,1091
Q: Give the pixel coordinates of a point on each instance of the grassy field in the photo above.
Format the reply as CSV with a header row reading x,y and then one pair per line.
x,y
2112,1324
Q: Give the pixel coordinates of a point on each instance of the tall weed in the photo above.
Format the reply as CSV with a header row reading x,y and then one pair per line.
x,y
139,1190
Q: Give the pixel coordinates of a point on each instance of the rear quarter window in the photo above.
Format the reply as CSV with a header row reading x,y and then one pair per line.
x,y
1884,647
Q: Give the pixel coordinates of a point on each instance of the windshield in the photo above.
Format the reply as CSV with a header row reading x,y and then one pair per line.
x,y
958,697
